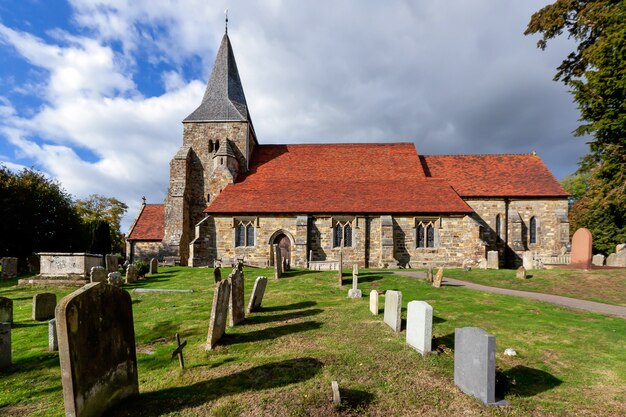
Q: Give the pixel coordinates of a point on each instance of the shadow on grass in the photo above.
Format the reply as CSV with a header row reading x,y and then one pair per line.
x,y
30,363
282,317
293,306
270,333
354,399
211,365
17,325
446,341
525,382
263,377
369,278
295,272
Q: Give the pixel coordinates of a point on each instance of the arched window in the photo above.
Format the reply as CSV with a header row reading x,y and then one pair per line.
x,y
533,230
217,145
498,227
210,146
342,232
240,235
244,233
347,233
249,235
426,235
430,236
421,241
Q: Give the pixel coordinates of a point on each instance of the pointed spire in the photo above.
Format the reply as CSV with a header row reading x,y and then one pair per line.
x,y
223,99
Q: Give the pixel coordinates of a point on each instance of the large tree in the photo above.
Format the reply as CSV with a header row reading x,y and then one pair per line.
x,y
596,74
97,207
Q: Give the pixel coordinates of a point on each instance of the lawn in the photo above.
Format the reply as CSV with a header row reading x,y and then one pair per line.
x,y
601,285
282,360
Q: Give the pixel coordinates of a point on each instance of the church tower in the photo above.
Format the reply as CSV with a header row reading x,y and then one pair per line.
x,y
218,142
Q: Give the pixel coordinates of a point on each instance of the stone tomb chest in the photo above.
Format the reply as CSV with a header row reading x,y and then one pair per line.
x,y
66,268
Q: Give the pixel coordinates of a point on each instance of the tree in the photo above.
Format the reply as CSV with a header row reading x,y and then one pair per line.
x,y
99,236
109,209
576,185
596,74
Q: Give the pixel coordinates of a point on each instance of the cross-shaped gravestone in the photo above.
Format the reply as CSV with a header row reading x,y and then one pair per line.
x,y
179,351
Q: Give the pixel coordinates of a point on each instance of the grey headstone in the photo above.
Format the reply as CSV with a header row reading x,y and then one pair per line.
x,y
131,274
278,262
154,266
43,306
6,310
53,341
96,349
5,345
336,396
115,279
258,291
236,302
217,274
475,363
597,260
9,268
521,273
374,302
419,326
111,263
492,260
219,311
393,310
97,274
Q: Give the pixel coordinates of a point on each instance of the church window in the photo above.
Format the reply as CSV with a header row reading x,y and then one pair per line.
x,y
498,227
342,233
221,160
426,235
430,236
244,233
249,235
210,146
533,230
421,243
217,145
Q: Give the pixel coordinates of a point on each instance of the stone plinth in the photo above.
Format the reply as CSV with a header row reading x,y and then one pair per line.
x,y
64,268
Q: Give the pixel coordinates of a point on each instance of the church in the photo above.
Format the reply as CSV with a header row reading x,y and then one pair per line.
x,y
380,205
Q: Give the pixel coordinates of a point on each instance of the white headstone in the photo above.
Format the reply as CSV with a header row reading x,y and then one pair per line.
x,y
419,326
374,302
597,260
393,310
492,259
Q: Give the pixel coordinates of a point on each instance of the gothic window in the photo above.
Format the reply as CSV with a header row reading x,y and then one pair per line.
x,y
430,236
533,230
217,145
421,242
498,227
244,233
342,232
210,146
426,235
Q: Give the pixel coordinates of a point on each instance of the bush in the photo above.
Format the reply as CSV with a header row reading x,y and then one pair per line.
x,y
142,268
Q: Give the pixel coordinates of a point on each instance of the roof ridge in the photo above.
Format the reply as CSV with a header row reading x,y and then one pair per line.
x,y
486,154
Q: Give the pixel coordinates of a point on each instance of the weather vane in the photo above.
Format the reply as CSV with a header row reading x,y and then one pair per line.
x,y
226,13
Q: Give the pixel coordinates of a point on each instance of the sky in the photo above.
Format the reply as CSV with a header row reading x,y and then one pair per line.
x,y
93,92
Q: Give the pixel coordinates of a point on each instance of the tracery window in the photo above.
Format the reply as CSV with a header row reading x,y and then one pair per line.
x,y
244,233
426,235
533,230
498,227
342,232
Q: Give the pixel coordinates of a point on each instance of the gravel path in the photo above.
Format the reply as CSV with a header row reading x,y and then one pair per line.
x,y
548,298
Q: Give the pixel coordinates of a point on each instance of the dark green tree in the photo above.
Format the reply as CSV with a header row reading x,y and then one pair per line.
x,y
596,74
99,236
109,209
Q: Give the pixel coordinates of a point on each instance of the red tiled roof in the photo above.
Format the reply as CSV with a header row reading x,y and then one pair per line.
x,y
521,175
149,224
337,178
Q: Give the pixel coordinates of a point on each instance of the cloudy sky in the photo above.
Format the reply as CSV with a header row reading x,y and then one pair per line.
x,y
93,92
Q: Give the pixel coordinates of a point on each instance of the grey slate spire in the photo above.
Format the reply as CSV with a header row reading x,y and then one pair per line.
x,y
223,99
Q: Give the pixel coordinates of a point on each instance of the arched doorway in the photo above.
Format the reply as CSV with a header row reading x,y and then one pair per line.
x,y
284,244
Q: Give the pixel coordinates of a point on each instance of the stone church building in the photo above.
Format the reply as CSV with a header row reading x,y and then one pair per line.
x,y
383,205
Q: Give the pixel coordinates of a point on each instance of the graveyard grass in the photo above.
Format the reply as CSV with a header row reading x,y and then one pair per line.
x,y
281,360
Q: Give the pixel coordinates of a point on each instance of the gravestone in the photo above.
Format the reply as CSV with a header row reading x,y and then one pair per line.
x,y
6,310
97,274
598,260
581,249
355,292
240,265
393,310
53,341
5,345
492,259
419,326
131,274
374,302
219,311
96,349
482,263
236,301
340,268
43,306
528,260
475,363
154,266
617,259
179,351
9,268
115,279
111,263
278,262
521,273
429,274
258,290
438,278
334,385
620,247
217,274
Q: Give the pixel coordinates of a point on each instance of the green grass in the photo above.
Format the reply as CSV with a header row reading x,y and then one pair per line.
x,y
282,360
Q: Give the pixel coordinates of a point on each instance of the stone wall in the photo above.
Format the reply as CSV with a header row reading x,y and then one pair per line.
x,y
145,250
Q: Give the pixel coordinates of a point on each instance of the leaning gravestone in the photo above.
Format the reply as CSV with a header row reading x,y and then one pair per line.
x,y
219,311
115,279
475,363
597,260
111,263
5,345
492,259
88,328
278,262
521,273
393,310
97,274
236,301
257,294
429,274
43,306
374,302
438,278
53,341
9,268
154,266
581,249
419,326
6,310
131,274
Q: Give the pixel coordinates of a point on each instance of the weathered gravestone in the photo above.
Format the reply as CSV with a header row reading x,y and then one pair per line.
x,y
393,310
9,268
236,301
620,247
131,274
258,290
6,310
355,292
154,266
334,385
5,345
219,311
617,259
521,273
598,260
115,279
340,268
438,278
419,326
111,263
278,262
482,263
581,249
528,260
429,274
475,363
97,274
217,274
43,306
374,302
53,341
492,259
96,349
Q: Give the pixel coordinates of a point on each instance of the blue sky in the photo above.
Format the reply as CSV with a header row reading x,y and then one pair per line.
x,y
93,92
